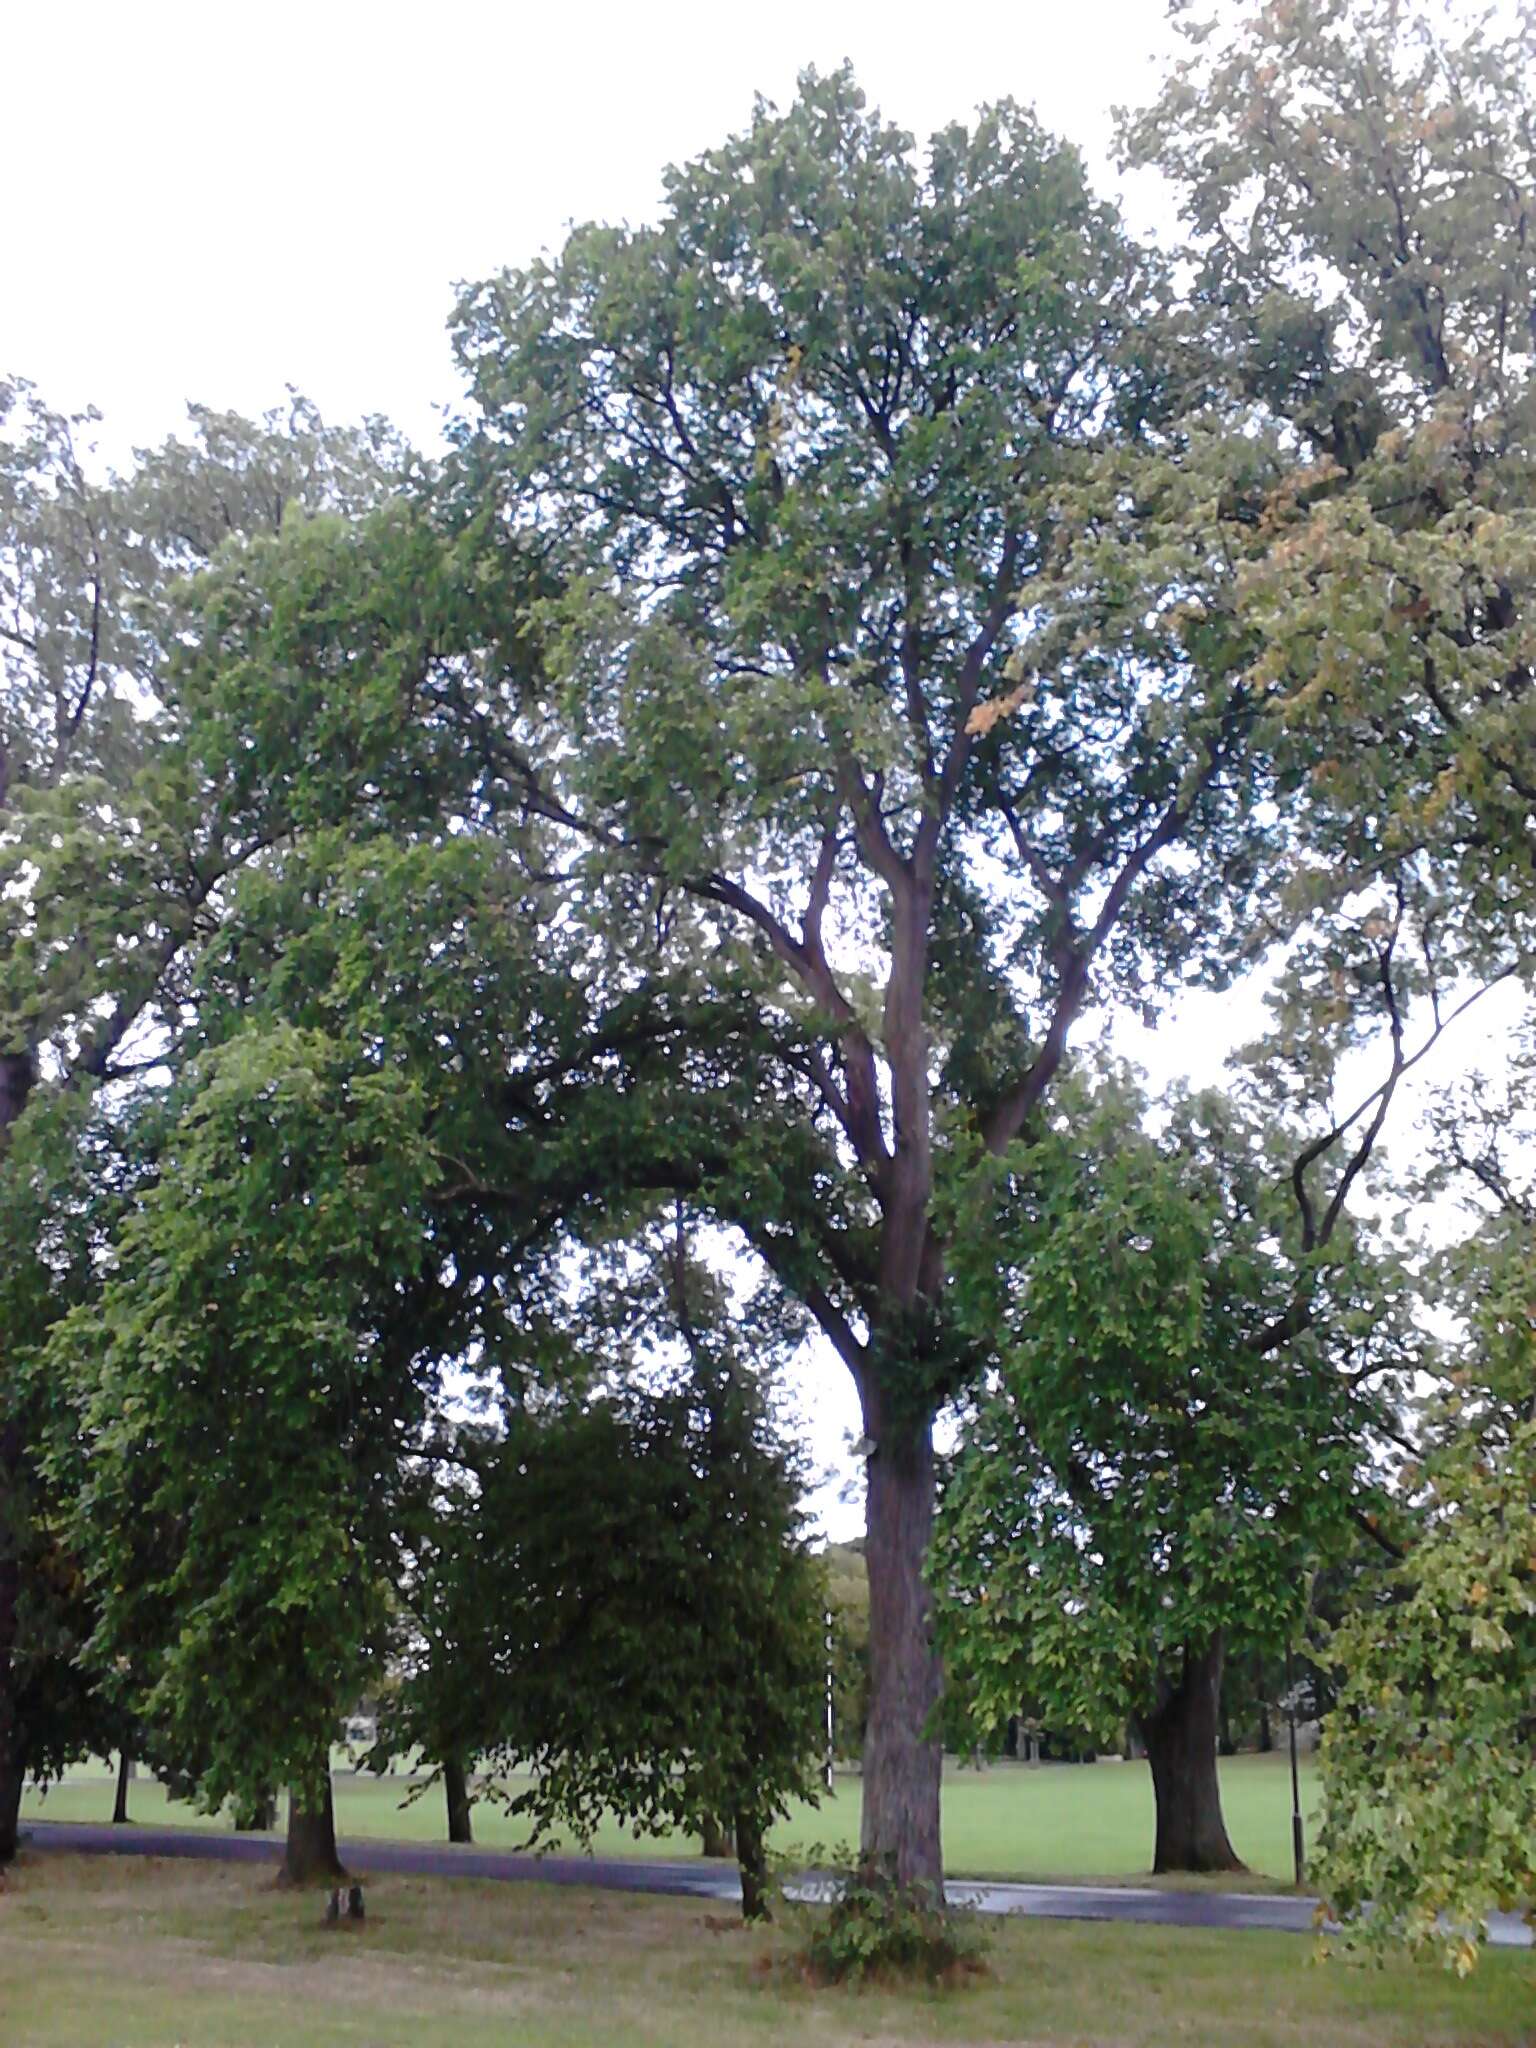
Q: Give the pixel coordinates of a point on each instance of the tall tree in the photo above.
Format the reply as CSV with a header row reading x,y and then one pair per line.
x,y
797,458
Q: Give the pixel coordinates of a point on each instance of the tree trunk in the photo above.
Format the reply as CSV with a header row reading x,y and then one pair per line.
x,y
752,1859
11,1765
18,1070
1266,1733
456,1787
257,1818
310,1855
120,1803
13,1773
1181,1747
902,1763
718,1840
17,1073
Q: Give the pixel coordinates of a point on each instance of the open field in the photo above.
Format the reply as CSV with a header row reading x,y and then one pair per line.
x,y
102,1953
1011,1820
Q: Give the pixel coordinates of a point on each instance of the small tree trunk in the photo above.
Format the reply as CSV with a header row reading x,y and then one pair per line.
x,y
310,1856
718,1839
752,1859
120,1803
1181,1748
902,1763
258,1817
13,1775
1266,1733
18,1071
1224,1744
12,1761
456,1788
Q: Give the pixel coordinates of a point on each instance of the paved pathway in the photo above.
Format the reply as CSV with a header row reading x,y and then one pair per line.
x,y
701,1880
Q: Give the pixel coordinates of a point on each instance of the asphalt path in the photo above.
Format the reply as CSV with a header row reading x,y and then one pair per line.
x,y
1276,1913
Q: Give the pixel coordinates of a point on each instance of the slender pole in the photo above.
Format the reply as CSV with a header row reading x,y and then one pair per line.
x,y
831,1728
1298,1842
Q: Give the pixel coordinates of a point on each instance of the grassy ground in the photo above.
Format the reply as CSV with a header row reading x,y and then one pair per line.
x,y
1057,1820
142,1954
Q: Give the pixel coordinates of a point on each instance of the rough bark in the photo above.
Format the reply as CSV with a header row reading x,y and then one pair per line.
x,y
900,1841
1180,1737
718,1839
120,1803
456,1791
310,1856
752,1859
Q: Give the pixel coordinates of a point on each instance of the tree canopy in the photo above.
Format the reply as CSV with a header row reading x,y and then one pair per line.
x,y
869,623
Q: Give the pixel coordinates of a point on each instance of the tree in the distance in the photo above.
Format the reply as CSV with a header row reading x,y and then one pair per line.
x,y
1429,1759
1355,176
648,1633
1159,1461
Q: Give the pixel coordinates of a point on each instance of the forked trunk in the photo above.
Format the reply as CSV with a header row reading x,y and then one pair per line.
x,y
1181,1738
120,1803
902,1761
456,1789
310,1855
752,1859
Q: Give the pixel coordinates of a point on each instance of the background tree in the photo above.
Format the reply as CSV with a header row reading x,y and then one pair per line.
x,y
848,1600
1161,1459
642,1621
434,1705
1429,1759
1356,178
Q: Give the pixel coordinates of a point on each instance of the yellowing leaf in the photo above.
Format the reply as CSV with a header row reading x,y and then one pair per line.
x,y
984,716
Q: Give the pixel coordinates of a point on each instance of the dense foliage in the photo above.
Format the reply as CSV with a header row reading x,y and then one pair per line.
x,y
1430,1755
869,622
1165,1449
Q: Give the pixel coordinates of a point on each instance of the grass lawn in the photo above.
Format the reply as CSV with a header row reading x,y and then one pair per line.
x,y
1011,1820
109,1953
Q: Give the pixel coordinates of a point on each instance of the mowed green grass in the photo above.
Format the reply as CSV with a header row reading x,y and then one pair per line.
x,y
112,1952
1009,1820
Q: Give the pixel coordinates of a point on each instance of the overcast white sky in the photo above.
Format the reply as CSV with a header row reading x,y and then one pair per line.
x,y
209,201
